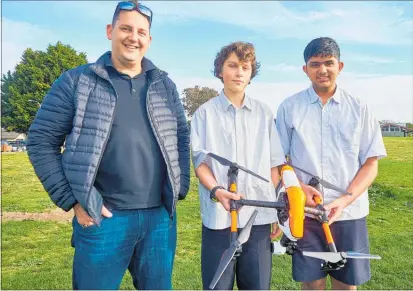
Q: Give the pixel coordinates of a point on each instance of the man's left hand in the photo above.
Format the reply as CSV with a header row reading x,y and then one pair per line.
x,y
336,208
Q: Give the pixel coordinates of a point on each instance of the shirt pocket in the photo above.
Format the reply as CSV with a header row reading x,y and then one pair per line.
x,y
226,124
348,134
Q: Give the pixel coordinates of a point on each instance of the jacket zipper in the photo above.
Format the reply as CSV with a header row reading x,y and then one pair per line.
x,y
104,145
160,145
156,136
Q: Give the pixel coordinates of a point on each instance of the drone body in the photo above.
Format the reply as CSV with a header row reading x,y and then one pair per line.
x,y
291,209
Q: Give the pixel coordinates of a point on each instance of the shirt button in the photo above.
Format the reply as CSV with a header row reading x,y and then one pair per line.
x,y
133,90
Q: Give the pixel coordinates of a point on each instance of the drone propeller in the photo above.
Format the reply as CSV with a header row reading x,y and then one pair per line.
x,y
230,252
225,162
323,182
336,257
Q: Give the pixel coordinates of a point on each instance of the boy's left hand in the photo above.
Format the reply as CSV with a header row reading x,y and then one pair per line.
x,y
336,208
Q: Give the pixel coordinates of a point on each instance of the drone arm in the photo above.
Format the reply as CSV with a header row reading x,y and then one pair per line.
x,y
232,187
259,203
325,226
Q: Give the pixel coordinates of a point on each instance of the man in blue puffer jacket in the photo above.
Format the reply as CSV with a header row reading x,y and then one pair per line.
x,y
126,158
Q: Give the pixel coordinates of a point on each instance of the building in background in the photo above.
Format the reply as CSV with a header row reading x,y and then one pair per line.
x,y
12,141
395,129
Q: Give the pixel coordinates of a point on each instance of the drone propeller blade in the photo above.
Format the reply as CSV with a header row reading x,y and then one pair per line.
x,y
355,255
225,260
221,160
245,232
333,187
252,173
304,171
277,189
323,182
225,162
335,257
326,256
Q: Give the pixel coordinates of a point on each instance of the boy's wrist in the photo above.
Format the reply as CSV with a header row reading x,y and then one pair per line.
x,y
212,194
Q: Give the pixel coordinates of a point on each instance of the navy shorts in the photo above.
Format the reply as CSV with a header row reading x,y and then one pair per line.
x,y
348,235
252,269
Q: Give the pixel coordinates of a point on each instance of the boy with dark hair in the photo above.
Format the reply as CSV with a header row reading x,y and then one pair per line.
x,y
242,130
334,135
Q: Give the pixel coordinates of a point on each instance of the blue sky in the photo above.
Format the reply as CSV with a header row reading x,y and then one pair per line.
x,y
376,41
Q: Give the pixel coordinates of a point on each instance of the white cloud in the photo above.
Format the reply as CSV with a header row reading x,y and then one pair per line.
x,y
389,97
351,76
371,60
283,68
365,22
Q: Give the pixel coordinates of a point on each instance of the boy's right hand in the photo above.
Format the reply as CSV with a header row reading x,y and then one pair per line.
x,y
224,196
310,192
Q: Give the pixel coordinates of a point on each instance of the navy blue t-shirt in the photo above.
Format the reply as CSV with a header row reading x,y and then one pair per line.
x,y
132,171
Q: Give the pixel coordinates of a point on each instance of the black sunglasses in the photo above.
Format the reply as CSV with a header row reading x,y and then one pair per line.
x,y
129,6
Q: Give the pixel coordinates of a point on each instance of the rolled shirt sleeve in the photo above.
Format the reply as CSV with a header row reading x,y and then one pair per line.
x,y
198,137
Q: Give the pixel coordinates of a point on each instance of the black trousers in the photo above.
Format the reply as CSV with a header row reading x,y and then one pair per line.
x,y
252,268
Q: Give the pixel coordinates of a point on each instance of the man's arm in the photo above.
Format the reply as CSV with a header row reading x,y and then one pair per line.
x,y
285,131
46,135
284,128
371,150
364,178
202,170
275,177
183,146
207,179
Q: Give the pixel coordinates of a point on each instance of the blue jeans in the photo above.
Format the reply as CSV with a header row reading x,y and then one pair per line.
x,y
143,241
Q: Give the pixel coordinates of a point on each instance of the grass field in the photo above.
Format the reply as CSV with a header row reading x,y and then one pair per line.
x,y
37,255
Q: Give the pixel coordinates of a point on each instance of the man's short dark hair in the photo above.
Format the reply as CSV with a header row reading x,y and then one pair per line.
x,y
322,46
245,52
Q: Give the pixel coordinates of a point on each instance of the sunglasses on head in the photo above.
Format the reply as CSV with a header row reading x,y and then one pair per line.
x,y
129,6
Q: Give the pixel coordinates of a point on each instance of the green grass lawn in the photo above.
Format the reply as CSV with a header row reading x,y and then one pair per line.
x,y
37,255
21,189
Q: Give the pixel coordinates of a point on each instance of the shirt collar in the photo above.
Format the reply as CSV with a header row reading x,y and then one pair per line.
x,y
147,65
226,104
315,98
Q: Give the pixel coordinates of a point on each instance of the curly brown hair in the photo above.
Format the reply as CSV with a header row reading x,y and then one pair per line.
x,y
245,52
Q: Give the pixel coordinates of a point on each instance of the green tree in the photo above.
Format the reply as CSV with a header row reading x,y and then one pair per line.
x,y
409,125
6,81
195,97
24,89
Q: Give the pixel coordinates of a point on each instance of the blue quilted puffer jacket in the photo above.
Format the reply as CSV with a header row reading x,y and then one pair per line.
x,y
79,109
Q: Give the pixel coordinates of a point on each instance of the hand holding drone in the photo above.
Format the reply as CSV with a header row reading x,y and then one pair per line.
x,y
333,260
291,210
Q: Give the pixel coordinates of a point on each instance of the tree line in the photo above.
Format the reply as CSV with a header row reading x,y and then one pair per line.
x,y
23,90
